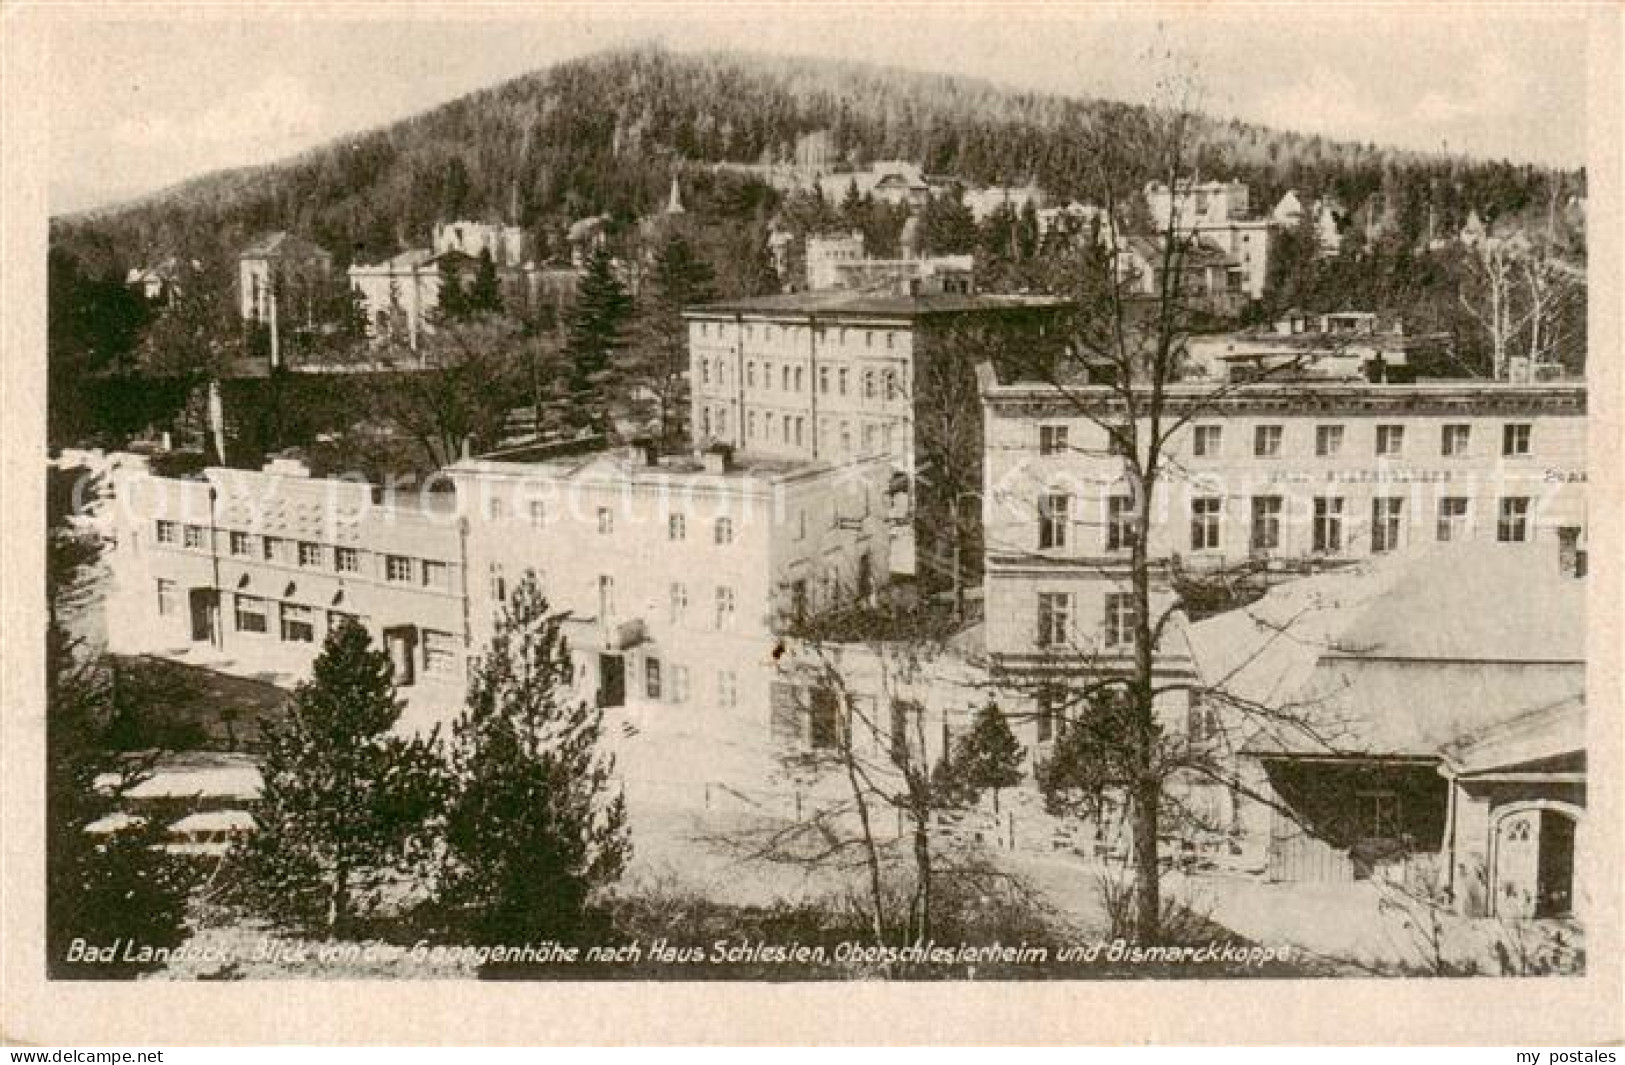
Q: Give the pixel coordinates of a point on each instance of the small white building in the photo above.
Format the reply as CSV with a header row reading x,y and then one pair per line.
x,y
504,243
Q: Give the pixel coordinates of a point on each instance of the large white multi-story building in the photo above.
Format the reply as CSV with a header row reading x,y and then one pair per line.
x,y
679,574
832,376
1260,475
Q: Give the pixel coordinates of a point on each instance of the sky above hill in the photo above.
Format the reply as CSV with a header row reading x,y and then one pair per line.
x,y
139,104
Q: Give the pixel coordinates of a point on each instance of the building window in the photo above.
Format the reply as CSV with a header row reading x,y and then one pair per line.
x,y
606,520
435,574
498,583
397,568
1266,533
1377,814
1118,628
1512,524
1267,441
439,652
725,607
869,437
166,598
1205,442
1328,440
723,532
310,554
249,614
1452,518
336,618
823,380
767,423
1205,517
1453,440
271,548
1515,440
1054,619
679,603
801,379
651,677
1328,524
1044,716
784,380
869,384
846,438
1120,531
677,527
785,426
890,379
727,689
842,381
241,544
606,597
750,374
750,424
168,532
1051,439
538,513
767,377
801,423
679,684
298,624
705,371
1054,515
346,559
1385,520
194,537
1390,439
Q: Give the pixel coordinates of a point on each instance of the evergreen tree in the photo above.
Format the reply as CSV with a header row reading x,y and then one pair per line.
x,y
597,322
949,227
104,886
454,302
679,279
531,826
988,756
344,806
485,295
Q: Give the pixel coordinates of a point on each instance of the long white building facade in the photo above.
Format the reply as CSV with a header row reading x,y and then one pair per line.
x,y
678,575
1266,476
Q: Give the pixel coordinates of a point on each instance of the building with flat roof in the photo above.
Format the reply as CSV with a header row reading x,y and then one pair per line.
x,y
247,570
1258,479
833,376
679,574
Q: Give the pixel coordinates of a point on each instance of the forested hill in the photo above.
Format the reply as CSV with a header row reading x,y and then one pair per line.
x,y
606,132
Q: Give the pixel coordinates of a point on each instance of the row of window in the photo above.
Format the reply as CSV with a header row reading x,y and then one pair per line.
x,y
1056,615
843,335
1207,512
400,569
1455,440
886,385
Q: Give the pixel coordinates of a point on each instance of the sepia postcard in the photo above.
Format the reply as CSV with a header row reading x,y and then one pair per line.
x,y
814,523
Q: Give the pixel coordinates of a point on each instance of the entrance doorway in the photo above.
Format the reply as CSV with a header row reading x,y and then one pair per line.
x,y
1555,894
402,644
611,680
205,606
1534,864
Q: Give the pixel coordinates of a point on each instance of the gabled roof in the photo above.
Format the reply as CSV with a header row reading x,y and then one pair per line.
x,y
284,245
1541,735
1400,656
